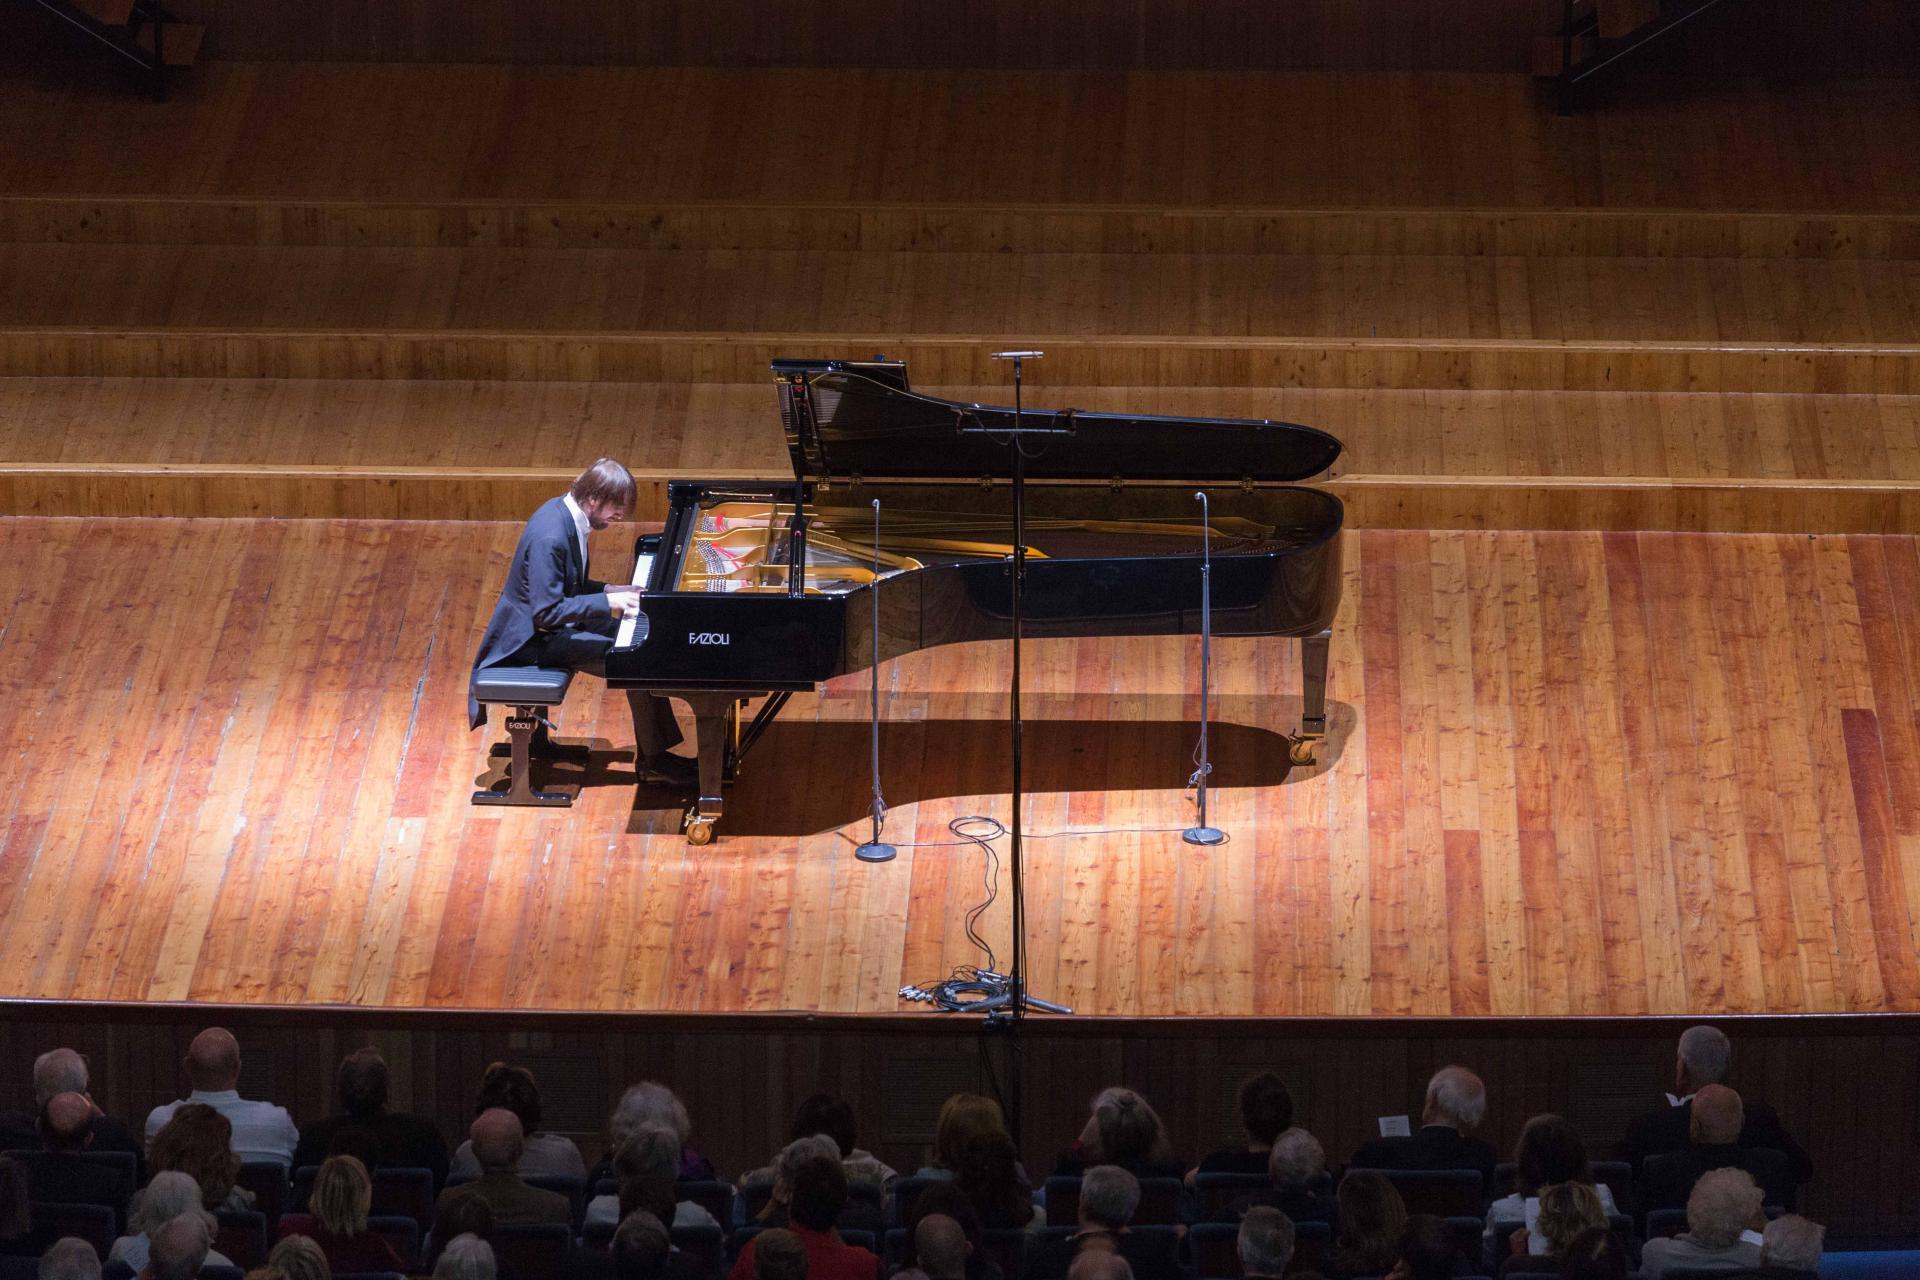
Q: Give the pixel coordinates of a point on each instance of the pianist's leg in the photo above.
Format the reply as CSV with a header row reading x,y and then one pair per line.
x,y
655,731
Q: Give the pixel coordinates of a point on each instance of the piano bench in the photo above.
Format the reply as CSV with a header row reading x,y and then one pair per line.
x,y
530,691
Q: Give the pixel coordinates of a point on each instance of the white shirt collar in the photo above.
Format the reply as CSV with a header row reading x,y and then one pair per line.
x,y
581,525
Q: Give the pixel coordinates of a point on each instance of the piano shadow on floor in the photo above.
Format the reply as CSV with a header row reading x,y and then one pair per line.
x,y
806,777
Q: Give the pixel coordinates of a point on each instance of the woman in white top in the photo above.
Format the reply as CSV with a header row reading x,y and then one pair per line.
x,y
1549,1154
168,1196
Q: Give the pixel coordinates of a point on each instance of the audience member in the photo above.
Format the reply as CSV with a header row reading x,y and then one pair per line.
x,y
815,1146
198,1141
1297,1166
832,1115
268,1273
1456,1104
18,1239
819,1193
1594,1254
971,1147
642,1247
1099,1264
395,1139
466,1258
1372,1218
496,1144
1265,1243
1426,1251
948,1200
1791,1246
1567,1209
300,1258
69,1258
1266,1111
651,1152
262,1132
1122,1130
544,1155
779,1256
1549,1153
1715,1121
1704,1056
460,1211
60,1174
1109,1197
60,1071
651,1102
940,1248
1721,1214
170,1195
336,1219
178,1248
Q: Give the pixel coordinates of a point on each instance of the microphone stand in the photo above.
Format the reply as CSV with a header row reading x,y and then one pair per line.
x,y
875,850
1200,833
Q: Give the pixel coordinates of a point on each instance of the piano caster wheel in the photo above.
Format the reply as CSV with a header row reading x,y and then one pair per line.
x,y
699,830
1300,751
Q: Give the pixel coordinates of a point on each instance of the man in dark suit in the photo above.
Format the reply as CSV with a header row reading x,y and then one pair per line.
x,y
60,1071
497,1143
366,1129
58,1174
551,614
1704,1056
1717,1119
1109,1197
1456,1104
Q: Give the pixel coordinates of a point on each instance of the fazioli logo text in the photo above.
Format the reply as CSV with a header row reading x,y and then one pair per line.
x,y
709,637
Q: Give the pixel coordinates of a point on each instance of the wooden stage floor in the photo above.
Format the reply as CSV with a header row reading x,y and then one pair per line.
x,y
1568,774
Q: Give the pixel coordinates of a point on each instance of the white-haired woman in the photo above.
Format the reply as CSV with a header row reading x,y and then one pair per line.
x,y
466,1257
651,1103
167,1196
1724,1221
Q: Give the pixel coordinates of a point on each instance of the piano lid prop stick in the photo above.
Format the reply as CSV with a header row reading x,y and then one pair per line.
x,y
874,850
1200,833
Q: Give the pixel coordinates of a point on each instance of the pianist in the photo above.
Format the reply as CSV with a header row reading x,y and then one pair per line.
x,y
551,614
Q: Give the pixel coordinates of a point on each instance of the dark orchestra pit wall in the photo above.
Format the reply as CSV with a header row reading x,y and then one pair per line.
x,y
1465,35
1848,1089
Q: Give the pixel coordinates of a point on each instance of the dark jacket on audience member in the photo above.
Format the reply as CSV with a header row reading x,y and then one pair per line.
x,y
1153,1256
1234,1160
20,1131
55,1177
398,1140
1666,1180
1432,1146
513,1202
1298,1203
1665,1128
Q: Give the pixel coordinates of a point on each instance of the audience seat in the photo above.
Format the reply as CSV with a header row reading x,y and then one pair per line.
x,y
905,1192
404,1193
1160,1200
1006,1247
97,1224
268,1182
715,1197
706,1245
242,1236
1216,1193
1445,1193
1061,1197
19,1267
533,1251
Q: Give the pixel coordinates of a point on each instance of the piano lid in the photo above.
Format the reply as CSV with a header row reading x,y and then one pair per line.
x,y
849,419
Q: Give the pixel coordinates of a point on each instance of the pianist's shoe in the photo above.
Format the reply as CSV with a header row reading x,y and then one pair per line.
x,y
670,770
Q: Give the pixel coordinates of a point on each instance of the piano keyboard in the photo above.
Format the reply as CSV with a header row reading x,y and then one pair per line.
x,y
625,639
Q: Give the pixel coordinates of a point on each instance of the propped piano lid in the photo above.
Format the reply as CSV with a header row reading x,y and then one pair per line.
x,y
846,419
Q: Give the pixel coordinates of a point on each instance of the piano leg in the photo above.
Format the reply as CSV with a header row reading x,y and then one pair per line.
x,y
716,719
1313,697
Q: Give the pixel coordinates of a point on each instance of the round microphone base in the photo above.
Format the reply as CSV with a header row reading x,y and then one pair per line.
x,y
1204,835
874,851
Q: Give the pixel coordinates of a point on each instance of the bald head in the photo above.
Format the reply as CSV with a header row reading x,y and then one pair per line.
x,y
67,1122
941,1245
213,1060
1717,1118
58,1071
179,1248
1099,1264
497,1139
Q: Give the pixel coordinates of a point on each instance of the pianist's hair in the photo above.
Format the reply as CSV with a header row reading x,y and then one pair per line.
x,y
606,481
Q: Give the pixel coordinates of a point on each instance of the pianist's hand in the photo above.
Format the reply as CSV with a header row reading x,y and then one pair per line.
x,y
623,600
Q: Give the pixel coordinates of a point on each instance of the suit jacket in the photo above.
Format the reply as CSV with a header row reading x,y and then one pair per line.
x,y
1432,1146
1666,1180
513,1202
397,1141
20,1131
547,589
1665,1129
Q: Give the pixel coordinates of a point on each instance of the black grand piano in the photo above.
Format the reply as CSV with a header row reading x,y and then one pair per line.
x,y
761,589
